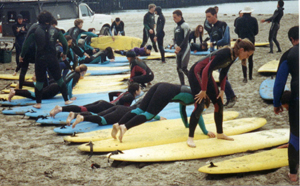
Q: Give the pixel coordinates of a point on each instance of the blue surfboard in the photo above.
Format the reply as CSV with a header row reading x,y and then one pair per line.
x,y
266,89
109,64
106,72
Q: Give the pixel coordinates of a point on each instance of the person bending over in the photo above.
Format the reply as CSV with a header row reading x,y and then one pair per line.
x,y
203,84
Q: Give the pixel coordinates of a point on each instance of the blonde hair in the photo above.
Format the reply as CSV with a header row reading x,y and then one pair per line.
x,y
151,6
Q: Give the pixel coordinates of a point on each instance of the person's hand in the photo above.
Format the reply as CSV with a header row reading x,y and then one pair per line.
x,y
94,51
211,45
100,35
18,29
211,134
195,51
73,98
221,95
177,50
23,28
20,59
88,56
155,39
163,118
200,96
113,38
262,21
277,110
64,57
151,31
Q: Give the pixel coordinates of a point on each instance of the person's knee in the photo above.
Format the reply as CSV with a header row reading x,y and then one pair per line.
x,y
60,82
148,115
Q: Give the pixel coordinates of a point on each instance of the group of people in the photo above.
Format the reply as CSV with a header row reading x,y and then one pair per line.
x,y
202,87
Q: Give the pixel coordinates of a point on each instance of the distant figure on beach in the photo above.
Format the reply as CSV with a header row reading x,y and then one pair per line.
x,y
240,15
118,27
289,64
208,25
275,19
181,44
149,26
198,33
247,27
160,34
219,37
19,30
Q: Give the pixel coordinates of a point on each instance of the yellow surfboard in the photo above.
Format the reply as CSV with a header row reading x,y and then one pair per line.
x,y
271,66
270,159
257,44
11,77
206,147
120,43
168,135
144,128
156,55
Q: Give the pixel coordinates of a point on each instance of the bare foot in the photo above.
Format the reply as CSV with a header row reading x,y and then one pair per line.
x,y
223,136
190,142
293,177
14,74
70,117
68,102
283,146
37,106
115,130
11,94
123,129
79,119
211,134
54,111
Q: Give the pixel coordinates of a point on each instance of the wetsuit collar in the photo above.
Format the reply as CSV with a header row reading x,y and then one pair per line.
x,y
180,22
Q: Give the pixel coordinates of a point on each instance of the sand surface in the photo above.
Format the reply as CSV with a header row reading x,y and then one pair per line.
x,y
34,155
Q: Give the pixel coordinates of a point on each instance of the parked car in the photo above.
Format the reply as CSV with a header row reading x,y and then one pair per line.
x,y
64,11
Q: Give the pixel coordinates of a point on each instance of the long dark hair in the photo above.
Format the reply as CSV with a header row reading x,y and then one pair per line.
x,y
110,53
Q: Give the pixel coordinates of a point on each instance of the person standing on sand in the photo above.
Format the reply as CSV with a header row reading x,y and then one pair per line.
x,y
160,34
247,27
275,19
182,45
208,25
204,86
289,63
149,26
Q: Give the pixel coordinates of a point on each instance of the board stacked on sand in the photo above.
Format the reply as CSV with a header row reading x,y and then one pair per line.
x,y
270,67
169,135
144,128
206,147
120,42
266,160
266,89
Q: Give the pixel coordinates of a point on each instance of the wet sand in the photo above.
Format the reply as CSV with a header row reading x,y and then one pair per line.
x,y
35,155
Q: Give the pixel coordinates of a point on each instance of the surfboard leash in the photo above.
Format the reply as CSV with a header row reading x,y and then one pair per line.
x,y
114,153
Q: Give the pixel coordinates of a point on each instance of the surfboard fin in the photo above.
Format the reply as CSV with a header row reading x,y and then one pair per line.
x,y
114,153
212,165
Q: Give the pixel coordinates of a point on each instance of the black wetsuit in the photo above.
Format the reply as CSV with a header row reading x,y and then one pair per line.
x,y
99,57
156,99
289,63
275,19
193,37
160,34
181,39
149,22
247,27
125,98
200,78
45,36
52,89
140,72
87,46
207,26
20,37
75,32
118,28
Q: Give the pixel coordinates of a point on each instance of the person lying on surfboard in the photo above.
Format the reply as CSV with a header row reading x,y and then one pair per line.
x,y
154,101
144,51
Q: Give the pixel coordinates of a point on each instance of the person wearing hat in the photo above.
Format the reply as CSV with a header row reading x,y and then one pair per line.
x,y
140,72
247,27
19,30
143,51
118,27
275,19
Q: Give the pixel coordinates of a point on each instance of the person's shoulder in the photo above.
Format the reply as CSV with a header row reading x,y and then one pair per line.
x,y
185,25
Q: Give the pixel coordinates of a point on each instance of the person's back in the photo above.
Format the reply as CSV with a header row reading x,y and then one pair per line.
x,y
45,39
247,27
293,63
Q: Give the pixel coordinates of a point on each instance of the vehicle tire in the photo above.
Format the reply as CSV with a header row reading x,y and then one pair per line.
x,y
104,31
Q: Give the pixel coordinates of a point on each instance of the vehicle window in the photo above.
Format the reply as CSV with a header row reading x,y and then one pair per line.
x,y
85,11
26,16
62,10
11,17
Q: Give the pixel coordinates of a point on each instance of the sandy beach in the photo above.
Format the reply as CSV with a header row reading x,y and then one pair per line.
x,y
31,154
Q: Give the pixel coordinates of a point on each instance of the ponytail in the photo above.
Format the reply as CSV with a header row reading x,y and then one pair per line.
x,y
246,44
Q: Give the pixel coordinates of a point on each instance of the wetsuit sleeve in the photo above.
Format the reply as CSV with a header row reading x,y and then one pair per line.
x,y
122,25
14,28
280,81
90,34
273,17
186,30
112,25
64,42
137,69
147,28
223,74
111,95
202,125
78,51
207,27
182,109
27,44
226,37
